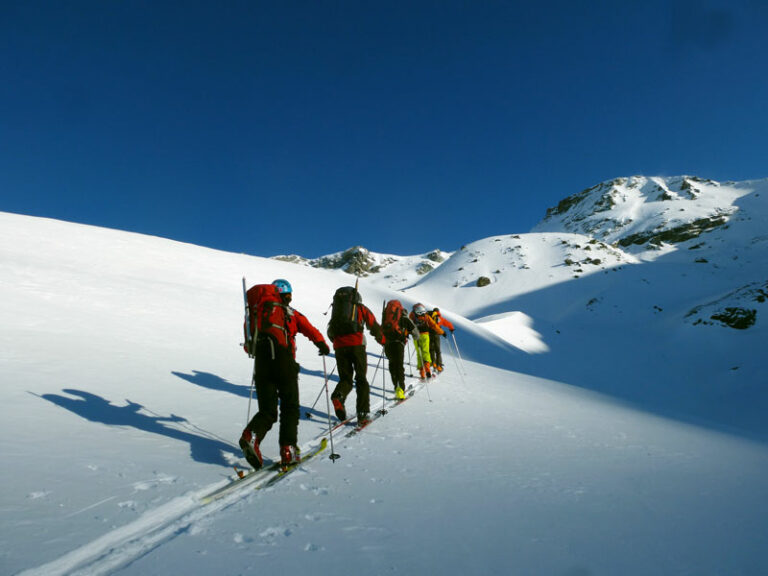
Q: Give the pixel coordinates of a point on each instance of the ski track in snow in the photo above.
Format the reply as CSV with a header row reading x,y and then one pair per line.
x,y
122,546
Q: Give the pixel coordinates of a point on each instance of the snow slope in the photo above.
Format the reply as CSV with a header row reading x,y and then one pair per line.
x,y
126,391
633,320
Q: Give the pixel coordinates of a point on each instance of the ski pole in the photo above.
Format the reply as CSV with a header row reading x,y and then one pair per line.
x,y
410,369
453,355
427,377
377,370
383,385
384,368
457,352
250,396
308,412
455,361
333,455
426,387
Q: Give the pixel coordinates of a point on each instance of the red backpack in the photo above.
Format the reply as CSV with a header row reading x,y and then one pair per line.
x,y
268,313
390,322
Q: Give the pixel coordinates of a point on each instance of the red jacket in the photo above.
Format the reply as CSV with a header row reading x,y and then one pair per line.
x,y
296,322
364,316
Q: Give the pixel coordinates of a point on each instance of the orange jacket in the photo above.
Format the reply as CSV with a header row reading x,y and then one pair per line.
x,y
425,324
440,321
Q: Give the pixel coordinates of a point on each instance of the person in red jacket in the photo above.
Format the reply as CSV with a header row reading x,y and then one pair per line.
x,y
434,339
276,374
345,330
396,326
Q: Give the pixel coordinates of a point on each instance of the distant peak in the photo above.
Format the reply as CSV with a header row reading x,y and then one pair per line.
x,y
644,212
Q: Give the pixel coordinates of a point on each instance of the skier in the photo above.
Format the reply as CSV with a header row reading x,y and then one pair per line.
x,y
425,325
275,372
434,340
396,327
348,318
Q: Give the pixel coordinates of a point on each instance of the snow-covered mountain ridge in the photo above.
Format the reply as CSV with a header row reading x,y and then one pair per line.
x,y
641,213
398,271
616,223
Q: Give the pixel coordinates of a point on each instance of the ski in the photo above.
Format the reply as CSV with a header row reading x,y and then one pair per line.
x,y
409,393
270,472
358,427
282,471
342,423
249,477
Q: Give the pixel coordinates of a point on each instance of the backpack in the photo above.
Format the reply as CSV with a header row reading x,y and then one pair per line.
x,y
421,323
268,313
390,322
344,317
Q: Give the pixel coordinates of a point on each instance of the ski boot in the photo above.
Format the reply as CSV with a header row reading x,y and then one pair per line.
x,y
399,393
338,407
289,456
249,444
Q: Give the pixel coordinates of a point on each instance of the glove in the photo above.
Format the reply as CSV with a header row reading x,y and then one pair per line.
x,y
323,348
444,334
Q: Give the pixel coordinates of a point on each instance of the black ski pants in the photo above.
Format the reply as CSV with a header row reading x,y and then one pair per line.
x,y
352,363
276,376
395,351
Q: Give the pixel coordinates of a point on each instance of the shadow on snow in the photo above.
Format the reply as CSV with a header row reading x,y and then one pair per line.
x,y
97,409
214,382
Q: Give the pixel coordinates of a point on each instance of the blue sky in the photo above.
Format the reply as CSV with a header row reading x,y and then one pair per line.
x,y
403,126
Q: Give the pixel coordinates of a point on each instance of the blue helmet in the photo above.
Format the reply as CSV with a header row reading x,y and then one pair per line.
x,y
283,286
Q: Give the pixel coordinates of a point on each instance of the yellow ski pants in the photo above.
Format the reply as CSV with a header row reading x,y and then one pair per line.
x,y
422,349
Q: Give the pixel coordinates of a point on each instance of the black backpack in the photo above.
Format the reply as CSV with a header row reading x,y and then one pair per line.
x,y
344,312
